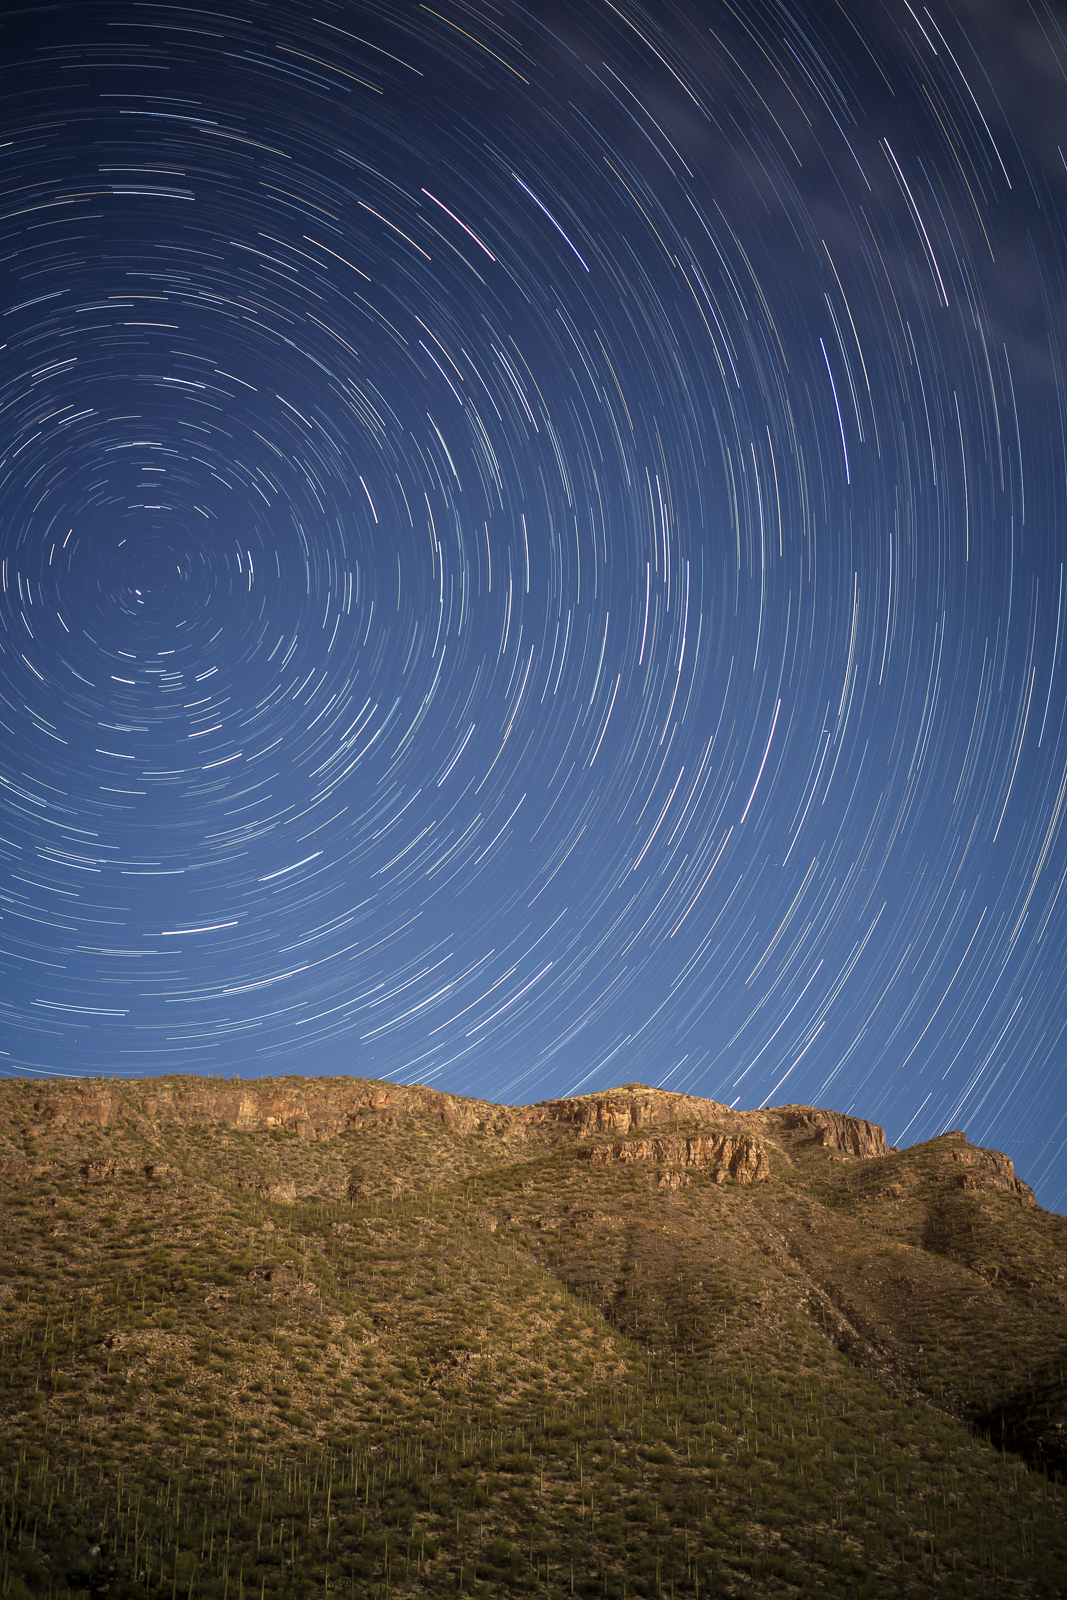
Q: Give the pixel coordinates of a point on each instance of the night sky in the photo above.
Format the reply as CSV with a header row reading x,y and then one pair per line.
x,y
532,550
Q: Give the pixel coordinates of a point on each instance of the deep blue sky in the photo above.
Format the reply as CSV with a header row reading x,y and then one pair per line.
x,y
533,550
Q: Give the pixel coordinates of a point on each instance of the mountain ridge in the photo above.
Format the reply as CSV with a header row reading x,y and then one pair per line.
x,y
305,1272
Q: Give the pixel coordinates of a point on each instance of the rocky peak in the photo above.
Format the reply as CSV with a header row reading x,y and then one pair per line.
x,y
617,1111
833,1131
990,1169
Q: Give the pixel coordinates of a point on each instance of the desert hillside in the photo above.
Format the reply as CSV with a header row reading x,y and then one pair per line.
x,y
289,1336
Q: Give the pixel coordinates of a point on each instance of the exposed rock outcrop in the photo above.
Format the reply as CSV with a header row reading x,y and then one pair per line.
x,y
834,1131
616,1111
723,1156
989,1169
312,1108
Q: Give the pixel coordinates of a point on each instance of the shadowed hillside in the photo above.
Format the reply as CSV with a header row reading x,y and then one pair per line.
x,y
292,1336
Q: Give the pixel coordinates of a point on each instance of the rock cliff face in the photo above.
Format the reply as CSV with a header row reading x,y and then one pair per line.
x,y
321,1109
618,1111
989,1169
722,1156
313,1109
833,1131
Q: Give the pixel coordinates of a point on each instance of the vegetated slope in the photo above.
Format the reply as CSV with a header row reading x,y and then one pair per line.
x,y
293,1336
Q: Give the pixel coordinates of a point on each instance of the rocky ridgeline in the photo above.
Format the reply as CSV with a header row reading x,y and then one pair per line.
x,y
673,1135
725,1144
676,1133
323,1108
312,1108
618,1111
738,1154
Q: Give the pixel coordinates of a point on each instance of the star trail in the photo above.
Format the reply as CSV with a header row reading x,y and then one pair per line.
x,y
532,551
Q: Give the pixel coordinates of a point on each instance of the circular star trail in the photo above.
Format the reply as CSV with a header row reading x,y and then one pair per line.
x,y
532,551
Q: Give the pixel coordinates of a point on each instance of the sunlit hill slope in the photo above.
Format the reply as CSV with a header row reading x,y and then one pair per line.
x,y
292,1337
